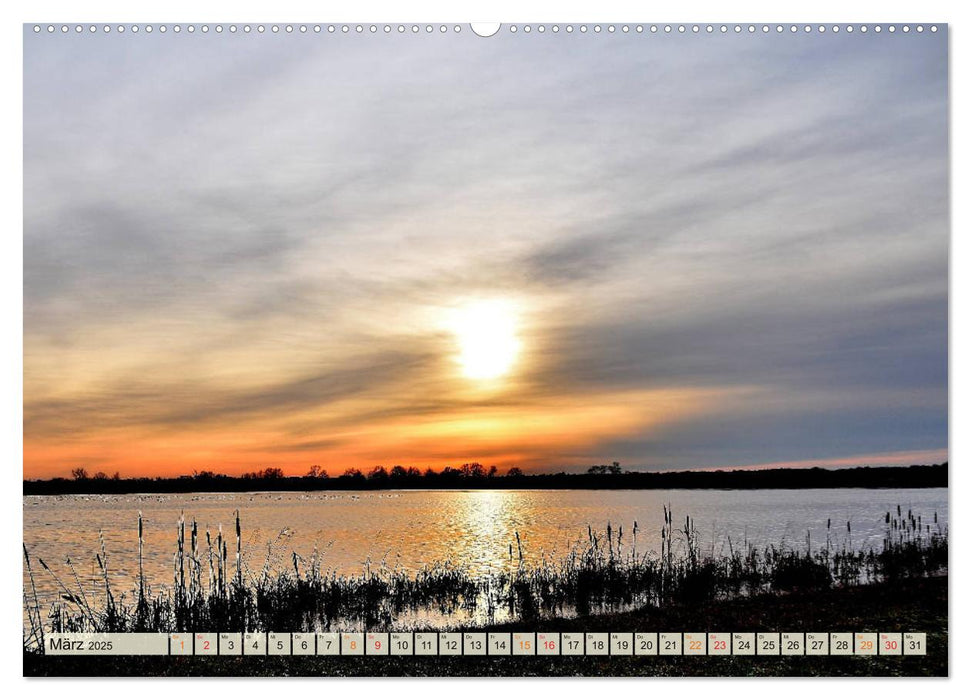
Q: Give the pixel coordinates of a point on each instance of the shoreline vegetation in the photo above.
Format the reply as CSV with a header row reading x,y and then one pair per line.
x,y
477,476
906,605
214,588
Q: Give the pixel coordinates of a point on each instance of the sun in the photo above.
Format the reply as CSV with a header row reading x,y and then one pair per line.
x,y
487,338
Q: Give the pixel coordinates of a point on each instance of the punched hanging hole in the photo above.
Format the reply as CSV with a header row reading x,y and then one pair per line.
x,y
485,29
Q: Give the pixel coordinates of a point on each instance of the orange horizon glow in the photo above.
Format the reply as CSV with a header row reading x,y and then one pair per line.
x,y
173,458
504,437
296,465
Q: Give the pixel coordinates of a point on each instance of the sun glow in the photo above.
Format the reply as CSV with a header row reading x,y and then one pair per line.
x,y
487,337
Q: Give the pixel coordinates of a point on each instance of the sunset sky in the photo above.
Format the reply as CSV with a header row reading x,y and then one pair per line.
x,y
546,251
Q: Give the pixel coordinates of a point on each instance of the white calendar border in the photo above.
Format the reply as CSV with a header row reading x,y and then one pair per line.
x,y
15,14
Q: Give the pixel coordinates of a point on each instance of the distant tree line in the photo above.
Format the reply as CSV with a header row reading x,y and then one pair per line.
x,y
81,474
476,476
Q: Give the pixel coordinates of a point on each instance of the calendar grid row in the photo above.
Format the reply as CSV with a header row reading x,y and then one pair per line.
x,y
494,644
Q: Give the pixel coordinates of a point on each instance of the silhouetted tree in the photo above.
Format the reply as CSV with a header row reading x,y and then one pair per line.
x,y
352,475
317,472
612,468
79,474
378,474
450,475
473,470
268,473
514,472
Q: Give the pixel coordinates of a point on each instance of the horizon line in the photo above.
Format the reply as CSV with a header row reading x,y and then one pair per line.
x,y
352,472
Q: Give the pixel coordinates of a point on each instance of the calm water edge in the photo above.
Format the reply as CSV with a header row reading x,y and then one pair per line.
x,y
409,529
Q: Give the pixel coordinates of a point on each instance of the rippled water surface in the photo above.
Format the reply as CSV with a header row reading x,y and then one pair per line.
x,y
408,529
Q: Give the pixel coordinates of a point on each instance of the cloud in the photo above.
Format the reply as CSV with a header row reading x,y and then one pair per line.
x,y
268,234
183,406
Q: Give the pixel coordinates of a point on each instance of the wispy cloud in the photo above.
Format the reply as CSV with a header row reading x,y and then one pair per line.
x,y
242,249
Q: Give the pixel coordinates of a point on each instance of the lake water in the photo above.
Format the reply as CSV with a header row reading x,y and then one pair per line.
x,y
408,529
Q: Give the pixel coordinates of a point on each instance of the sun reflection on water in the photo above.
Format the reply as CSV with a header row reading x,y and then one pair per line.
x,y
484,522
473,530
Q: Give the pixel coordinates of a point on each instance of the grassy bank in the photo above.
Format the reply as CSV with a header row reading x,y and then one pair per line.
x,y
916,604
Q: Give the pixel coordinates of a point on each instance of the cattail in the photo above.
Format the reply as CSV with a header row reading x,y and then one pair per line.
x,y
180,575
104,569
195,571
141,570
222,567
212,570
239,555
220,558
